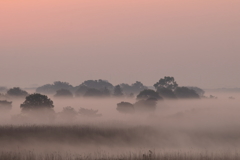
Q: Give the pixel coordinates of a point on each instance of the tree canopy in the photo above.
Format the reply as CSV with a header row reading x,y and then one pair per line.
x,y
17,92
148,93
166,93
134,88
5,105
52,88
97,84
82,89
166,82
125,107
36,101
92,92
184,92
198,90
63,93
117,91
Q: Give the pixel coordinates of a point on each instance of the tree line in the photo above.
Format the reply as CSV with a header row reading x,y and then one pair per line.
x,y
146,99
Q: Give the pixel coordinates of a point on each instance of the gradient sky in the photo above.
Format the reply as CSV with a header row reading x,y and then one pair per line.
x,y
196,41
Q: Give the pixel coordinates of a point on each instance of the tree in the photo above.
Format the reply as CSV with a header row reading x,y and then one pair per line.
x,y
106,92
36,101
184,92
17,92
166,82
64,93
144,105
147,100
68,113
166,93
52,88
148,93
134,88
125,107
92,92
138,86
97,84
5,105
82,89
199,91
117,91
89,112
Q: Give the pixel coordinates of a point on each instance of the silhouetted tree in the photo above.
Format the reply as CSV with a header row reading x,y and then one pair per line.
x,y
184,92
92,92
231,97
117,91
36,101
134,88
166,82
212,97
97,84
138,86
125,107
199,91
68,113
82,89
147,100
106,92
148,93
144,105
5,105
16,92
89,112
52,88
166,93
63,93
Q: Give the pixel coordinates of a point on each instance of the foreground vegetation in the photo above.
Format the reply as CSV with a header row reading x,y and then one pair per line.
x,y
148,155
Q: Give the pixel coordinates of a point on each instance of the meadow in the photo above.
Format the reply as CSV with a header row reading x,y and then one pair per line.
x,y
177,130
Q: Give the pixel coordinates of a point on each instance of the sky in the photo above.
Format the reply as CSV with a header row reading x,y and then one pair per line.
x,y
122,41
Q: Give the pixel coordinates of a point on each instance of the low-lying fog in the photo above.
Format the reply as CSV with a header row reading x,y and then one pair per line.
x,y
205,124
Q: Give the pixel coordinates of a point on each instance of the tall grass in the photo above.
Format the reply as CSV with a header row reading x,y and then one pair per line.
x,y
77,142
30,155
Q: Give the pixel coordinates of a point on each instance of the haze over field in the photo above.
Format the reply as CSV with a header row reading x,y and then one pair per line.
x,y
197,42
119,79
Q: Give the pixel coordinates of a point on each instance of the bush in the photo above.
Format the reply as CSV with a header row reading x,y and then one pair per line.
x,y
5,105
125,107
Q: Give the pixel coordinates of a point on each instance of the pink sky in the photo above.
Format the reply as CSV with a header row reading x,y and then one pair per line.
x,y
195,41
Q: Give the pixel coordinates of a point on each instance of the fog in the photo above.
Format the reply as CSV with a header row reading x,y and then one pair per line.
x,y
177,125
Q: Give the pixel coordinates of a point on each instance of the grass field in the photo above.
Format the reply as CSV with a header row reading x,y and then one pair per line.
x,y
182,130
73,142
30,155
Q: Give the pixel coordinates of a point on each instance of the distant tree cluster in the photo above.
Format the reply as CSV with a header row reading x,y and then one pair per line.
x,y
53,88
41,106
16,92
135,88
12,93
146,101
89,88
63,93
168,88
